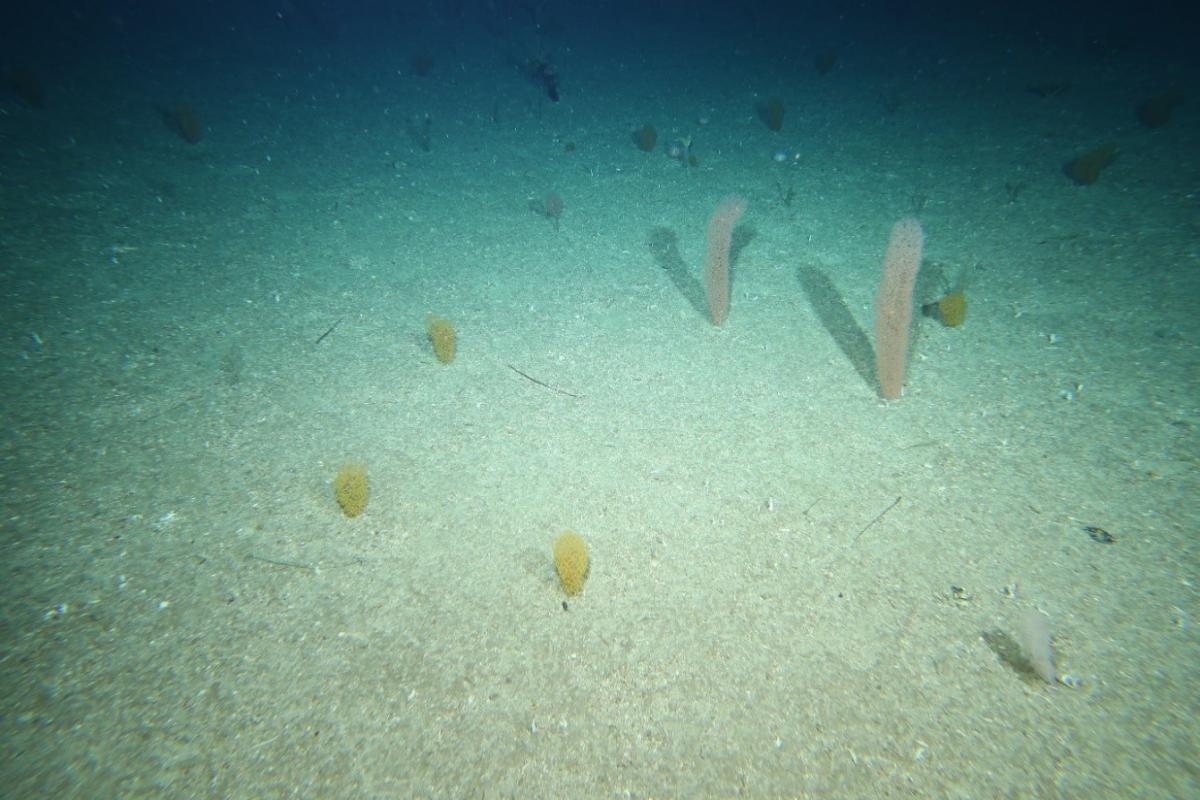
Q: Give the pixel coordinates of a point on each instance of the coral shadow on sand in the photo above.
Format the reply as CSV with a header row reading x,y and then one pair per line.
x,y
835,316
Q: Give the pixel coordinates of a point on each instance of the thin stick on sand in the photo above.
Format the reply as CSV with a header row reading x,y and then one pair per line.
x,y
529,377
878,517
329,331
281,562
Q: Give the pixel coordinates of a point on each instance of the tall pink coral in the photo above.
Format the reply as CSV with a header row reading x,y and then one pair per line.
x,y
894,304
716,260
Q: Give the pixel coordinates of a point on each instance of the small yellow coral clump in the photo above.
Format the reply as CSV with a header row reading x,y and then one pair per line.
x,y
571,561
441,335
952,309
350,488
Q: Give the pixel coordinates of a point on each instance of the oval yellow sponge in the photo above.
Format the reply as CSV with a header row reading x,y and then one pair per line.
x,y
571,561
442,337
350,488
952,309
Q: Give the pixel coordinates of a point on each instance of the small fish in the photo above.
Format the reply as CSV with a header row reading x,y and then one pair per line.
x,y
1099,534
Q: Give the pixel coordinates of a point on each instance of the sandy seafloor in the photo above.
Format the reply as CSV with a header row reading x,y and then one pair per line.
x,y
748,627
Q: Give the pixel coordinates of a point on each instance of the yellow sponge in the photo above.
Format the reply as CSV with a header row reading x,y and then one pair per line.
x,y
952,309
571,561
350,488
442,337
